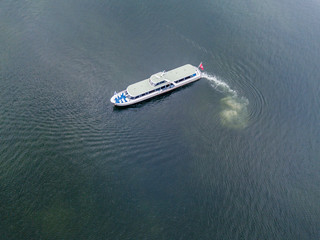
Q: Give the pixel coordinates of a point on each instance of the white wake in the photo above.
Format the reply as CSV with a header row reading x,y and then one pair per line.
x,y
218,84
234,112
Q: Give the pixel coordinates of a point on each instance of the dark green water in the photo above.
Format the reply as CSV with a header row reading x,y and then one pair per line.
x,y
232,156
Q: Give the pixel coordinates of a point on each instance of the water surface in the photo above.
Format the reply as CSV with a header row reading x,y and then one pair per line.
x,y
232,156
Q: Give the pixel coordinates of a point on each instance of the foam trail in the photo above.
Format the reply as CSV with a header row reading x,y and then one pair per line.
x,y
218,84
234,113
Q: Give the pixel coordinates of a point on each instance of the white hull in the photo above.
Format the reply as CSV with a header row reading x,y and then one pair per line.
x,y
122,99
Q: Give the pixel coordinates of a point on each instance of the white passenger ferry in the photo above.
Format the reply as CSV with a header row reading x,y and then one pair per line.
x,y
157,84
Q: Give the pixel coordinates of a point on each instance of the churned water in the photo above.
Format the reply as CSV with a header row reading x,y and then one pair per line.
x,y
234,155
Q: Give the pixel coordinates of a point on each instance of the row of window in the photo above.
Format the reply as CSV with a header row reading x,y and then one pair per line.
x,y
155,90
183,79
160,83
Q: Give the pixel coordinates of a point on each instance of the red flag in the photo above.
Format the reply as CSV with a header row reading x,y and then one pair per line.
x,y
201,66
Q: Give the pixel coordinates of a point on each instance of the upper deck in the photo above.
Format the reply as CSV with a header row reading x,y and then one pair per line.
x,y
160,79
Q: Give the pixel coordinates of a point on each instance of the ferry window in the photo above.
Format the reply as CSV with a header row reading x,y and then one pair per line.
x,y
160,83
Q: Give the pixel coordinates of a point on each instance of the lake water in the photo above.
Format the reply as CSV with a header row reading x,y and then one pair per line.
x,y
234,155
